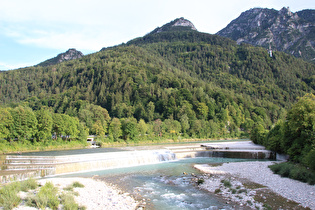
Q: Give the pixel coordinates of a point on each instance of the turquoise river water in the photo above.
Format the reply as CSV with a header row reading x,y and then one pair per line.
x,y
166,185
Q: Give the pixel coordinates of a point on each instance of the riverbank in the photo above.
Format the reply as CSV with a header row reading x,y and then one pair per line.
x,y
7,148
261,186
95,195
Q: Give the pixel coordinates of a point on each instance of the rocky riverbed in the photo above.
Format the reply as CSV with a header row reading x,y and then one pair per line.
x,y
95,195
253,185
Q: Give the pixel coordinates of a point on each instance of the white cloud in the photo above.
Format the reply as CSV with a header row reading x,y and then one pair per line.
x,y
89,25
6,66
64,36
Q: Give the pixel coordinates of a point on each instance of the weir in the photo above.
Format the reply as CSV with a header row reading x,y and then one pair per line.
x,y
20,167
239,149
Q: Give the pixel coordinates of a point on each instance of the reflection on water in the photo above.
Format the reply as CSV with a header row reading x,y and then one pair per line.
x,y
165,185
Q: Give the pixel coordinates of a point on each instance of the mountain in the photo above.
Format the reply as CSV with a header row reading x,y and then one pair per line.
x,y
66,56
178,75
178,24
283,30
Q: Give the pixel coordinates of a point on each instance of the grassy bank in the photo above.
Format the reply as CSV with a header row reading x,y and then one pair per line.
x,y
16,147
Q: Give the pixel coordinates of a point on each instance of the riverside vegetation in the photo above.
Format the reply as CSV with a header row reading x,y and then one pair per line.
x,y
294,136
178,83
38,196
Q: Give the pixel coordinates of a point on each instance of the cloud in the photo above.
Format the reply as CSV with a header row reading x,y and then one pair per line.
x,y
62,36
93,24
6,66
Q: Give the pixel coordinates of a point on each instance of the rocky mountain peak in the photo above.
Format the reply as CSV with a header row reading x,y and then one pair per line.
x,y
285,11
183,22
70,54
280,30
179,24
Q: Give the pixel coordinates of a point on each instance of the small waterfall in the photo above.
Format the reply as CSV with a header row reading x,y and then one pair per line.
x,y
166,156
242,149
19,167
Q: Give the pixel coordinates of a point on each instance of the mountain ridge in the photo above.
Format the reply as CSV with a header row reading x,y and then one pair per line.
x,y
203,85
281,30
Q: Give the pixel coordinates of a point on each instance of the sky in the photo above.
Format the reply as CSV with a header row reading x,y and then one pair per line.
x,y
32,31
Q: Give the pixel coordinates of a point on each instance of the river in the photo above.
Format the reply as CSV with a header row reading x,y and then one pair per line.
x,y
168,184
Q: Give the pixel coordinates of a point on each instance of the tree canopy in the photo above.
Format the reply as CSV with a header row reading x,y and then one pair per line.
x,y
175,83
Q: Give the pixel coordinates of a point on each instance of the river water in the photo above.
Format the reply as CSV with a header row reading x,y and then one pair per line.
x,y
166,185
170,184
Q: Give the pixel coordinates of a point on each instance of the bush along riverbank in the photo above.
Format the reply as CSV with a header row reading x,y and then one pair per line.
x,y
295,137
294,171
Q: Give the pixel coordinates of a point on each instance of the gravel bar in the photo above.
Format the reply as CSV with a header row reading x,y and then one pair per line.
x,y
259,172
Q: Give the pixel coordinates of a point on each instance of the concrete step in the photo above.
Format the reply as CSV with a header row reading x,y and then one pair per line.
x,y
27,166
7,176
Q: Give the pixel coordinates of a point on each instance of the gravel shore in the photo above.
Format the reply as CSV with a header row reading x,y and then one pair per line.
x,y
258,172
95,195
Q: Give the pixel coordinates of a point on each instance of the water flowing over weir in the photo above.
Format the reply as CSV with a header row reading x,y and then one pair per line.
x,y
20,167
243,149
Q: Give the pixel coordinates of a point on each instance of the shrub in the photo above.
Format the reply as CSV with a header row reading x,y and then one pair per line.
x,y
249,202
29,184
69,203
68,188
285,170
226,183
200,181
310,159
77,184
294,171
242,191
218,190
8,196
46,197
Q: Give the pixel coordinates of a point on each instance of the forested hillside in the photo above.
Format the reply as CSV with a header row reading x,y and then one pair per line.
x,y
173,83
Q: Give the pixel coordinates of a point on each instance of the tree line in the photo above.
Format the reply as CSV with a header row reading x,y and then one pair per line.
x,y
294,135
167,84
25,125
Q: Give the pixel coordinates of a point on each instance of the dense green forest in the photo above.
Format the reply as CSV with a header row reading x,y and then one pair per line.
x,y
294,136
174,84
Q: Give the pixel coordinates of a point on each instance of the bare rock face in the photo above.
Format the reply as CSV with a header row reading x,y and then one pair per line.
x,y
179,24
68,55
185,23
281,30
